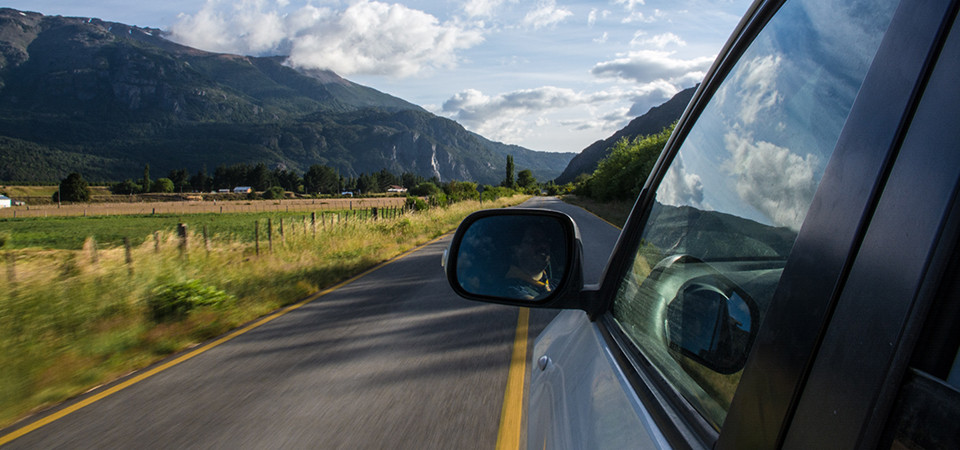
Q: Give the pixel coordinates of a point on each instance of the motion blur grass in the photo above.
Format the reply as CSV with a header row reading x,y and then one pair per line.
x,y
73,318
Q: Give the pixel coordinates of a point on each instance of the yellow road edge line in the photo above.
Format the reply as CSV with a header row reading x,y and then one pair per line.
x,y
33,426
508,438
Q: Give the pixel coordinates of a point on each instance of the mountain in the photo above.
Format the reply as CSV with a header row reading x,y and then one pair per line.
x,y
104,99
654,121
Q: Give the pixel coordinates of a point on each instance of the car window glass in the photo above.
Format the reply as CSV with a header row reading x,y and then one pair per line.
x,y
731,204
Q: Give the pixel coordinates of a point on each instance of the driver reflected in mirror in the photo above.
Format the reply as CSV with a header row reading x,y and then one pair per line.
x,y
517,257
528,276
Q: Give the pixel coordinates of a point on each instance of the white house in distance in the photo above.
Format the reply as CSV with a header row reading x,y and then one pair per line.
x,y
400,189
242,190
5,201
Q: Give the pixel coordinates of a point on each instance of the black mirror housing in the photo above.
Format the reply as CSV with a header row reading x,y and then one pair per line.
x,y
517,256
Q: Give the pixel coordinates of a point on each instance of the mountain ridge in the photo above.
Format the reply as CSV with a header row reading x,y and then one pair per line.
x,y
81,94
652,122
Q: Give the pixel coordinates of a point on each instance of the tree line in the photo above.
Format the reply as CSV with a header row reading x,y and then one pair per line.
x,y
318,179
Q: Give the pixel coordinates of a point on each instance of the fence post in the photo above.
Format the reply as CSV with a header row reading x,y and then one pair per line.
x,y
182,232
256,236
313,223
129,254
156,242
283,239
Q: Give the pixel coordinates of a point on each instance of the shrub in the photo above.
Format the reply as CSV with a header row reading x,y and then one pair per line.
x,y
439,199
162,185
416,204
424,189
73,188
176,300
274,193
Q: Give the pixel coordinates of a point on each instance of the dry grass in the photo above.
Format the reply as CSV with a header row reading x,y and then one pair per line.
x,y
197,207
76,318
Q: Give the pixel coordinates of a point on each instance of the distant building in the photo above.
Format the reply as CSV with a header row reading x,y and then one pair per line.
x,y
5,201
223,191
242,190
399,189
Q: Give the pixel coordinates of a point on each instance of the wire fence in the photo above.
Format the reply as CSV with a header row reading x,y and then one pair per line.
x,y
199,207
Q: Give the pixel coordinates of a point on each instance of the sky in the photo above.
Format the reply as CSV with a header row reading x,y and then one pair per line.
x,y
549,75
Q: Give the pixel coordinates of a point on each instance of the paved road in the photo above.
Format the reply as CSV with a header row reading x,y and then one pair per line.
x,y
393,359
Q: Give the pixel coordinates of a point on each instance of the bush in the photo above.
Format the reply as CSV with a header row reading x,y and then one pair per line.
x,y
174,301
162,185
439,199
274,193
125,187
73,188
424,189
416,204
621,175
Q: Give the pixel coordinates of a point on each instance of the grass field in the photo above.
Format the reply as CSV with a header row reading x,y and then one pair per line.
x,y
69,233
77,316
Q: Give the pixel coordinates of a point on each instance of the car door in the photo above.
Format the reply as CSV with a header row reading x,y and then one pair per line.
x,y
726,275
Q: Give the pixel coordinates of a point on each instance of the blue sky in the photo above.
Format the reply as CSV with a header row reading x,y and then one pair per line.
x,y
550,75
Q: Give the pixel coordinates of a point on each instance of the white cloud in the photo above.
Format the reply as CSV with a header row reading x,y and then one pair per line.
x,y
649,95
514,115
545,14
777,182
630,4
755,87
680,188
659,41
640,17
650,65
367,37
481,8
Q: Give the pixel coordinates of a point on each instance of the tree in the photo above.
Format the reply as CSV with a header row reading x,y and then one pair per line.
x,y
180,179
621,175
424,189
146,178
125,187
73,188
526,180
162,185
260,177
508,179
320,179
273,193
201,182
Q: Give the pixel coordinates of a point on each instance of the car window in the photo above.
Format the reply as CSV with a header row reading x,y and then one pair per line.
x,y
728,210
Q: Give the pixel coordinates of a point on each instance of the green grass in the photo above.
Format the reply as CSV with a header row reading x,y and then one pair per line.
x,y
74,318
69,233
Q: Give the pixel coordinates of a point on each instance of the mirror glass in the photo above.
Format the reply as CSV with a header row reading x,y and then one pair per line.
x,y
516,257
710,326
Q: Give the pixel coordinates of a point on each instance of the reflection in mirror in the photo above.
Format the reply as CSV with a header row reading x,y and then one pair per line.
x,y
711,327
514,257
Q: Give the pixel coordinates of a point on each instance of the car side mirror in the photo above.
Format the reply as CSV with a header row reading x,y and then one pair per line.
x,y
522,257
712,323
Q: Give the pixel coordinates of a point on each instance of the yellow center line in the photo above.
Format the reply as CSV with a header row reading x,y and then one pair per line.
x,y
511,413
7,438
